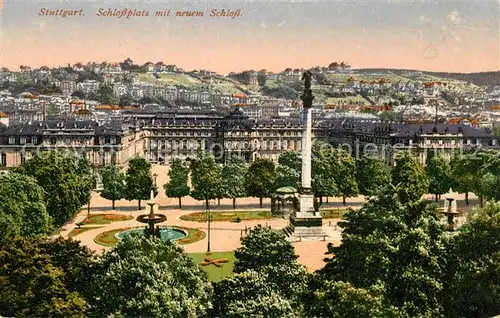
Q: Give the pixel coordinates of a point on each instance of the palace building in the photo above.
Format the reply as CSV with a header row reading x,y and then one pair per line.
x,y
163,136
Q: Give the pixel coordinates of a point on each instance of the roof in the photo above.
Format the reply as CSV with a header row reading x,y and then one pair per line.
x,y
286,190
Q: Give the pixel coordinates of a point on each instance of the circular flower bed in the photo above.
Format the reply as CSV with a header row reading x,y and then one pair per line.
x,y
110,238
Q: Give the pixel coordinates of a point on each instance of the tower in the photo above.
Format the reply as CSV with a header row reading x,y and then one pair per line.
x,y
306,223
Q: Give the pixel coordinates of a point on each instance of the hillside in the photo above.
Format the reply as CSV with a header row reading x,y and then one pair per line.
x,y
293,89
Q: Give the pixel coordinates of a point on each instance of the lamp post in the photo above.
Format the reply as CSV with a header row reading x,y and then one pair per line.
x,y
208,228
154,176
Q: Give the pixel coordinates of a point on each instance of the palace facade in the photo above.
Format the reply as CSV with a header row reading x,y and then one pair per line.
x,y
163,136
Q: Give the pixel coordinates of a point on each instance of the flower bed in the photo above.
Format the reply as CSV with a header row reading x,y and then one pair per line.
x,y
227,217
106,218
110,238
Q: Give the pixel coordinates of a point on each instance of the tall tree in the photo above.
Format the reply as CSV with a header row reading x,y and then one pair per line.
x,y
396,243
439,174
344,168
206,178
139,181
260,179
66,179
471,284
464,168
409,177
233,179
40,277
23,207
268,260
372,175
323,178
148,277
286,177
177,185
249,294
340,299
289,169
113,184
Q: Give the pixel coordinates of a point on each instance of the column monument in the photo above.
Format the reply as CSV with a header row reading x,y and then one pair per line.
x,y
306,223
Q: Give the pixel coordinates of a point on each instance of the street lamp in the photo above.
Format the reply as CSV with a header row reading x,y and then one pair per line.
x,y
154,176
208,228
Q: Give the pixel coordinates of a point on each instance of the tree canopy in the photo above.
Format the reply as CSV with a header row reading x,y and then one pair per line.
x,y
23,207
233,179
139,180
177,185
113,184
206,177
148,277
66,179
260,179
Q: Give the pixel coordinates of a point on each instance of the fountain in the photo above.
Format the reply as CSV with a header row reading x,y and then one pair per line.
x,y
450,209
152,218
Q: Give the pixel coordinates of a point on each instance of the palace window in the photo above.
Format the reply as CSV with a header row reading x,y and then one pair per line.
x,y
23,158
22,140
12,140
3,161
113,140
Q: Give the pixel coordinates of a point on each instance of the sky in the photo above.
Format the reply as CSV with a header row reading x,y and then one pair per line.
x,y
452,36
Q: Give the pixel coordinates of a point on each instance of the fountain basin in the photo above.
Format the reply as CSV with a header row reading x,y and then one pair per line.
x,y
166,233
153,218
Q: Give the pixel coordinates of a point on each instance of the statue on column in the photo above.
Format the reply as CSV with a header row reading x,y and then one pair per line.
x,y
307,78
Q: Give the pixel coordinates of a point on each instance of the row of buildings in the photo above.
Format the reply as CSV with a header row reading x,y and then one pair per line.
x,y
162,136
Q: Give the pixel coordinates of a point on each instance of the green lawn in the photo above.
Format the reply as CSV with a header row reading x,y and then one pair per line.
x,y
215,273
230,216
106,218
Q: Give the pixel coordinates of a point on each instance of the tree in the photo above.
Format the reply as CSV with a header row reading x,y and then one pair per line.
x,y
177,185
323,179
340,299
439,174
139,181
286,177
409,177
488,186
249,294
473,266
464,173
39,277
113,184
105,95
291,159
372,175
23,207
260,179
344,168
206,178
263,247
268,278
66,179
397,243
148,277
233,179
